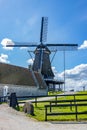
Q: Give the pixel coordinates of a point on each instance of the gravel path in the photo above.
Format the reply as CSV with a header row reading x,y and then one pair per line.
x,y
10,119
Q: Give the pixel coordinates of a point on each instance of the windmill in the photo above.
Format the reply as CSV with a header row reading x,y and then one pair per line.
x,y
43,50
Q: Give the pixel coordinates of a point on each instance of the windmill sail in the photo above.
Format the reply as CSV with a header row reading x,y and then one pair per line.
x,y
43,50
22,44
62,47
43,33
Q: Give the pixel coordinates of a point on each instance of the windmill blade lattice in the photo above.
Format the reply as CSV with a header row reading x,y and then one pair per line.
x,y
22,44
43,33
62,47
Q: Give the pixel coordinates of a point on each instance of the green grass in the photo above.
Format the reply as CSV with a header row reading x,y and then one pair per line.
x,y
39,112
54,92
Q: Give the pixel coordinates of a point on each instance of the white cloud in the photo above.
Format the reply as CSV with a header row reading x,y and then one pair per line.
x,y
54,70
77,70
30,61
75,78
5,42
84,45
4,58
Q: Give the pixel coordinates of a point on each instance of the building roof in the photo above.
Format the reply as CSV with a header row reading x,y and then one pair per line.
x,y
11,74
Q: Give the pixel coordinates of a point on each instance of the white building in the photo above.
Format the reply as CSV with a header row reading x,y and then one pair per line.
x,y
21,80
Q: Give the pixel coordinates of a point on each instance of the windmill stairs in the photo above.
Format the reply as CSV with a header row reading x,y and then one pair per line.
x,y
38,79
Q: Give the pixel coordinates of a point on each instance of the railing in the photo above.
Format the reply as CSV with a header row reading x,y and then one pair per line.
x,y
35,99
71,103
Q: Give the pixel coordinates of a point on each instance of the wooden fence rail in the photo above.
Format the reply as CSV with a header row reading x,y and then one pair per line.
x,y
35,98
56,98
76,104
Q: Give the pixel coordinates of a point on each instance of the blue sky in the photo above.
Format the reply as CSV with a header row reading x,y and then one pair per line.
x,y
20,21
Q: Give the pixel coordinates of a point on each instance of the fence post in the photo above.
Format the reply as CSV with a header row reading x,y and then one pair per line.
x,y
75,107
71,106
74,100
50,106
56,100
76,112
13,100
45,113
35,101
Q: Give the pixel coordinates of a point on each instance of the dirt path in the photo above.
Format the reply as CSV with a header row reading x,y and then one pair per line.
x,y
13,120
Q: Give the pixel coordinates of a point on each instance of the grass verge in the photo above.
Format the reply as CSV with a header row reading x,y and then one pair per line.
x,y
39,112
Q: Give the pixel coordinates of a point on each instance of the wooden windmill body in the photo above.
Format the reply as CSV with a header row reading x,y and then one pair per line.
x,y
42,62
